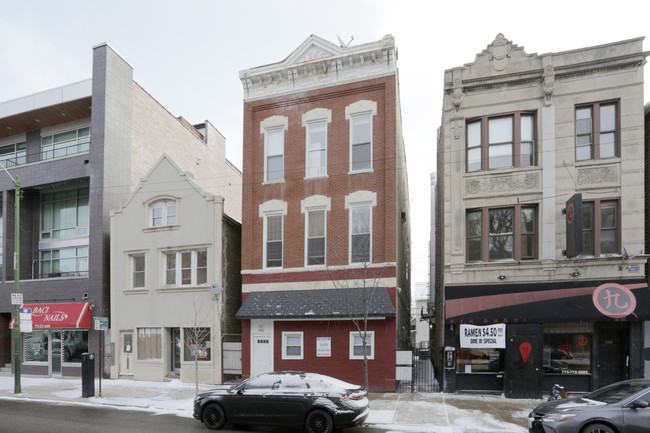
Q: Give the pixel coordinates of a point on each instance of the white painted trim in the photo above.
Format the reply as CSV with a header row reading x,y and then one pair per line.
x,y
286,334
369,335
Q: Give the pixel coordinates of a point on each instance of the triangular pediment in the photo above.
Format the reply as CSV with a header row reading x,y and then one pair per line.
x,y
313,48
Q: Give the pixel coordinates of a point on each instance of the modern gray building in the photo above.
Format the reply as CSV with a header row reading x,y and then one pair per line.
x,y
78,151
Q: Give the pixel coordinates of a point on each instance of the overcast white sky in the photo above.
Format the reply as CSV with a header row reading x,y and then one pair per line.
x,y
187,54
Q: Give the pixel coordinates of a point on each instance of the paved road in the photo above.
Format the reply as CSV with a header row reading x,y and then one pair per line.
x,y
30,417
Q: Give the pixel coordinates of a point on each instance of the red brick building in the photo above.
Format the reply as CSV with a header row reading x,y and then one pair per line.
x,y
325,223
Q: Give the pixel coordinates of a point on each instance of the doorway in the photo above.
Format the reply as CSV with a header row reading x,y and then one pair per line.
x,y
176,351
126,354
55,354
523,363
261,346
613,354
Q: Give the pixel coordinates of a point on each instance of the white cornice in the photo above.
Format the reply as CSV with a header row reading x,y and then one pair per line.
x,y
318,63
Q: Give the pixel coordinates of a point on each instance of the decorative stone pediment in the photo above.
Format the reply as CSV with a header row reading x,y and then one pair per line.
x,y
501,54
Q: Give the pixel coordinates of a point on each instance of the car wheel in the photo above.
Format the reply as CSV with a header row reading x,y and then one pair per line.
x,y
598,428
213,416
319,421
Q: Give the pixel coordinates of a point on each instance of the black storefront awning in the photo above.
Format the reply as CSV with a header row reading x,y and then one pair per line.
x,y
540,302
317,304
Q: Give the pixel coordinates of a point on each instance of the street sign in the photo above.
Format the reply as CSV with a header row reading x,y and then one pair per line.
x,y
100,323
25,325
25,314
16,298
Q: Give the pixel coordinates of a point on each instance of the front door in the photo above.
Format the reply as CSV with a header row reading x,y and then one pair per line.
x,y
523,363
261,347
126,353
55,354
613,354
176,350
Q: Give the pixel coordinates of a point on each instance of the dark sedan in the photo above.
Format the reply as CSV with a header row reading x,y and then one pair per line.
x,y
623,407
316,402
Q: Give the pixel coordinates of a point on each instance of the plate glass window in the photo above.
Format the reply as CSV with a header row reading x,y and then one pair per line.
x,y
13,154
65,143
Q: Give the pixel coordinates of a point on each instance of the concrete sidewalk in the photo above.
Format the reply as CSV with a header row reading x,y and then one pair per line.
x,y
418,412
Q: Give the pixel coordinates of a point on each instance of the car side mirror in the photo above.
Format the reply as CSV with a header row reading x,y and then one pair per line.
x,y
640,404
240,391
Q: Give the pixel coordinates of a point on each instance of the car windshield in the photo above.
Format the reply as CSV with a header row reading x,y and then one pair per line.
x,y
616,393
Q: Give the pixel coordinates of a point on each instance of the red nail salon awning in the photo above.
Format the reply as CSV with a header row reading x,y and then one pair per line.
x,y
70,315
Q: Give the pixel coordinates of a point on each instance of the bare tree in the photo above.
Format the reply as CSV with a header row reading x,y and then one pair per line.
x,y
197,340
358,286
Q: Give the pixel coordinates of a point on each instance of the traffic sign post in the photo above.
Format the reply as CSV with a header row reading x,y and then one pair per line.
x,y
100,324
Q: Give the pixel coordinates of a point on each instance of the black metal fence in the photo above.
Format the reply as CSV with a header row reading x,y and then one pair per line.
x,y
422,377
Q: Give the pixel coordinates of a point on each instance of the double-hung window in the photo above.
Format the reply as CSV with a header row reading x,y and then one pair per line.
x,y
360,233
65,143
273,236
317,149
597,131
185,268
502,233
292,345
504,141
357,347
361,142
316,238
360,115
137,264
162,213
274,165
600,227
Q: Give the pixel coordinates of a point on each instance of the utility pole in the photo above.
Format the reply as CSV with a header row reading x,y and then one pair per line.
x,y
17,388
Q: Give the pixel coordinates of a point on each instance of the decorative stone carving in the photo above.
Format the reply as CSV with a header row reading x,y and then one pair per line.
x,y
457,92
314,53
499,51
501,184
549,83
597,175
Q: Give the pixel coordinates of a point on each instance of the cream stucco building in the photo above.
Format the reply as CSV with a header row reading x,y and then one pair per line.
x,y
175,281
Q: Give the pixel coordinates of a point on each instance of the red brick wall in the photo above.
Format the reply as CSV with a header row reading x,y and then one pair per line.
x,y
337,185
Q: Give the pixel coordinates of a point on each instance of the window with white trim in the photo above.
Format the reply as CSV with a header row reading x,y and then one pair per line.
x,y
149,343
162,213
361,142
137,264
316,228
273,237
292,345
274,158
360,233
356,345
316,148
185,268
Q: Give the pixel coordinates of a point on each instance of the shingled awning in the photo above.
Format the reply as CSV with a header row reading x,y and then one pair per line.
x,y
310,304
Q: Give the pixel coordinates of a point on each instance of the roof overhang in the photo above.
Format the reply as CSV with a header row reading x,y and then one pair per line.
x,y
371,302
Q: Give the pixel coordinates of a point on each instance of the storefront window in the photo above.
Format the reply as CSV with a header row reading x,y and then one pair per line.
x,y
197,343
480,360
35,346
74,344
567,348
149,343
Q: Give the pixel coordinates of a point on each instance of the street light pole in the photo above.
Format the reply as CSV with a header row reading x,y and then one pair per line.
x,y
17,388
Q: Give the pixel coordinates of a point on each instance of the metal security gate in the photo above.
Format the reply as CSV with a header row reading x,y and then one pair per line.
x,y
415,370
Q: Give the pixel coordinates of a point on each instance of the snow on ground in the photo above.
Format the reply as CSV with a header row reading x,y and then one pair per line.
x,y
397,413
